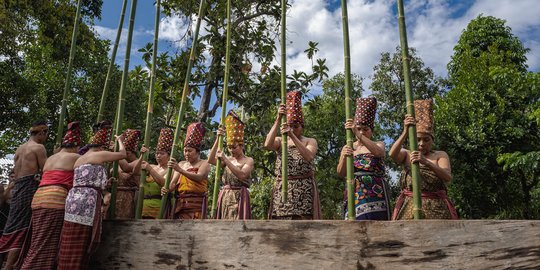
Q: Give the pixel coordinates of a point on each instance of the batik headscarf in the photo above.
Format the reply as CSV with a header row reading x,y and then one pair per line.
x,y
294,108
194,135
73,135
165,141
131,139
423,110
365,111
102,133
234,128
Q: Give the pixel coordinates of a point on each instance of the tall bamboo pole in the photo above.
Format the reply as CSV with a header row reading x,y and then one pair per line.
x,y
180,118
121,104
348,110
149,111
104,94
284,149
409,97
224,98
72,49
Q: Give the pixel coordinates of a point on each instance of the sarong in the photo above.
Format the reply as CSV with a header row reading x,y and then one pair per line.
x,y
233,203
190,206
20,213
74,251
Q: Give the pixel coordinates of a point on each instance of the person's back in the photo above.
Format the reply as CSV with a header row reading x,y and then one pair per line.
x,y
28,159
61,161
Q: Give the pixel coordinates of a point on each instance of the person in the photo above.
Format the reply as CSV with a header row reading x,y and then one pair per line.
x,y
29,160
190,180
155,178
82,221
233,199
370,187
434,167
40,250
303,196
5,201
129,174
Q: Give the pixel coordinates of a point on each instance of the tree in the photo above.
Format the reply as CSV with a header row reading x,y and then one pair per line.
x,y
482,117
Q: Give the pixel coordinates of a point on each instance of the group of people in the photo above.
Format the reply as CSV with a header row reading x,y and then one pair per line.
x,y
58,202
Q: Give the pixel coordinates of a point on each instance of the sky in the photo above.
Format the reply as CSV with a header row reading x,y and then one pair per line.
x,y
433,28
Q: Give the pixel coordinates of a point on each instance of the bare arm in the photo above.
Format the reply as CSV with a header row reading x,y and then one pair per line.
x,y
41,155
309,150
273,142
397,153
342,164
106,156
125,166
441,167
243,173
159,178
212,156
200,175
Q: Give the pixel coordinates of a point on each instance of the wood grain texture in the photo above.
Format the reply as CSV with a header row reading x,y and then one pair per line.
x,y
254,244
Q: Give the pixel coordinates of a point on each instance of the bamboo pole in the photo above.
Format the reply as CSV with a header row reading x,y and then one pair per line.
x,y
284,149
409,97
62,116
121,104
149,111
180,118
348,110
108,79
224,98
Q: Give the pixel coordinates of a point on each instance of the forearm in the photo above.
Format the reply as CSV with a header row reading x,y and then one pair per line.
x,y
441,173
271,137
304,151
396,147
342,166
212,156
158,178
373,148
239,173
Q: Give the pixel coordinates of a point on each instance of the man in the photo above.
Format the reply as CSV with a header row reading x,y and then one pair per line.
x,y
29,161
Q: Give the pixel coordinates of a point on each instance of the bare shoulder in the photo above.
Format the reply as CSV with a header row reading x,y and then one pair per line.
x,y
311,141
440,154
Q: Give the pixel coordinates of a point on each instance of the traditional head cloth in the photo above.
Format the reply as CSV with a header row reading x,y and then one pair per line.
x,y
131,140
294,108
194,135
102,133
424,115
165,141
365,111
234,128
73,135
38,127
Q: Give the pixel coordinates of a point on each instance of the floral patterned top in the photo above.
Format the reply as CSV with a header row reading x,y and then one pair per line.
x,y
81,202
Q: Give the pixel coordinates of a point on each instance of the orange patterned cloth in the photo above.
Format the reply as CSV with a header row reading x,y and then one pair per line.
x,y
234,128
165,141
73,135
102,133
131,140
294,108
423,110
194,135
186,185
365,111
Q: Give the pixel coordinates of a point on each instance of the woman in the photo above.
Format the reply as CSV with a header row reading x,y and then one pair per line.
x,y
434,169
129,175
233,200
190,181
371,192
303,196
82,222
155,178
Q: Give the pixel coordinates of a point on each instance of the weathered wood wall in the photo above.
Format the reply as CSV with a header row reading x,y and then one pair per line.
x,y
336,245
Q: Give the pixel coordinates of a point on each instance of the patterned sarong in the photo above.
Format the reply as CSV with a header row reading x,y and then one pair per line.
x,y
20,213
75,244
233,203
190,206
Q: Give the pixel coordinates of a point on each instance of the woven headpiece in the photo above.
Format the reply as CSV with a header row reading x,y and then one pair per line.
x,y
165,141
194,135
73,135
234,128
131,140
365,111
294,108
424,116
102,133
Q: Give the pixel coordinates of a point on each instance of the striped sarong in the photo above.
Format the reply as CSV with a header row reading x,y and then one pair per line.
x,y
74,248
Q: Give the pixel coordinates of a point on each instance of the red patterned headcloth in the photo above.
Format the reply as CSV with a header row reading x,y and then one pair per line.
x,y
234,128
365,111
131,140
165,141
102,133
294,108
73,135
423,109
194,135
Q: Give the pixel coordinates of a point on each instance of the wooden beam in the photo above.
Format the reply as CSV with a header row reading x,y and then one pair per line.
x,y
259,244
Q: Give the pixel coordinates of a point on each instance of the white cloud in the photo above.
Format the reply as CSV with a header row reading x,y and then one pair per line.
x,y
137,41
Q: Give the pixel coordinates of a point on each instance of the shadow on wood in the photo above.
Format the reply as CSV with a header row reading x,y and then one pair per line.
x,y
259,244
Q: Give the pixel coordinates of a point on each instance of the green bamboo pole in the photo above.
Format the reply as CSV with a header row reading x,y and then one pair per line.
x,y
348,110
149,112
180,118
409,97
62,117
224,98
284,149
121,104
104,94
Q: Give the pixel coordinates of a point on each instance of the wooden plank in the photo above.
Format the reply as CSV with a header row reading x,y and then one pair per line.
x,y
259,244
